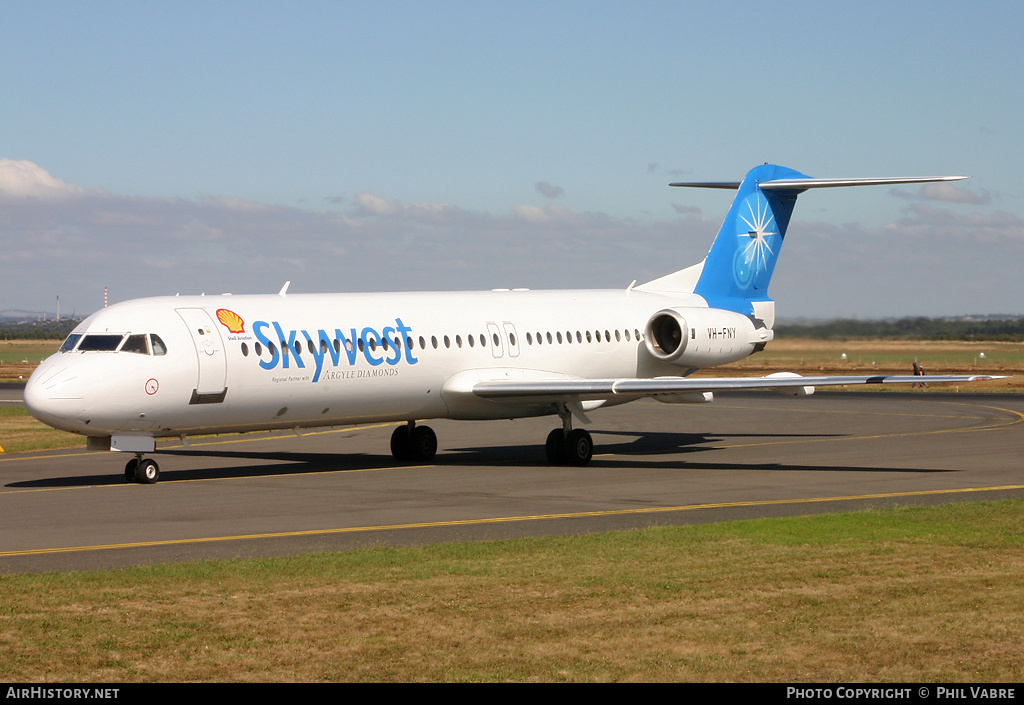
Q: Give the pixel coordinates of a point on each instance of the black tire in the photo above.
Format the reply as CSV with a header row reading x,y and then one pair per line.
x,y
401,444
578,447
423,444
147,472
553,447
129,470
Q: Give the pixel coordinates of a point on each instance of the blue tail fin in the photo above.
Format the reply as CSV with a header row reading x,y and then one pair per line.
x,y
739,266
742,258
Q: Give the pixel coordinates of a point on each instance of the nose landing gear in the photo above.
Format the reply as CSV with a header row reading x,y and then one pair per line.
x,y
141,470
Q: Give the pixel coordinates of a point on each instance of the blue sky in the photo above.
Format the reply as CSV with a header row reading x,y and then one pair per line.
x,y
432,145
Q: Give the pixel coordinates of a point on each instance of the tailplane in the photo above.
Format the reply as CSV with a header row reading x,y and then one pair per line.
x,y
736,273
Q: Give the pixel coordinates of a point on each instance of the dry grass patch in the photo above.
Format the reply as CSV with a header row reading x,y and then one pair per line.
x,y
18,358
907,595
20,432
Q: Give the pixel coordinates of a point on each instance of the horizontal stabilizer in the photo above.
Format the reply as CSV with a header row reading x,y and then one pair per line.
x,y
804,184
733,185
808,183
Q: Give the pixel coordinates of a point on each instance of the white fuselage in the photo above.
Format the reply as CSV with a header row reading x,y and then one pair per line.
x,y
213,364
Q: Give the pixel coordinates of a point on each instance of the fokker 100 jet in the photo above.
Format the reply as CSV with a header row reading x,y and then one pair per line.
x,y
184,365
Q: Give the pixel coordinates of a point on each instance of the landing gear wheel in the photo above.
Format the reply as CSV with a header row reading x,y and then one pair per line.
x,y
129,470
147,472
400,445
423,444
418,444
553,447
578,447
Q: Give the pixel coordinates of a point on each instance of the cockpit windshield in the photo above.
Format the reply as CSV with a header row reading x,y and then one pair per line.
x,y
71,342
100,342
140,344
136,344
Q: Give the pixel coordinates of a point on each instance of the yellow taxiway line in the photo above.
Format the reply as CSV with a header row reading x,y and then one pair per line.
x,y
499,520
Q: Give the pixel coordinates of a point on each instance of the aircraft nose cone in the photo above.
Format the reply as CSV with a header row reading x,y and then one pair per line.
x,y
51,397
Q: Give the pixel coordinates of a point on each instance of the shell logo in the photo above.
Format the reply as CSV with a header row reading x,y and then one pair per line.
x,y
231,320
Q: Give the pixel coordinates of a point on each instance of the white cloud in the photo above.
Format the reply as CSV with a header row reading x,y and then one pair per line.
x,y
376,205
24,179
945,192
531,214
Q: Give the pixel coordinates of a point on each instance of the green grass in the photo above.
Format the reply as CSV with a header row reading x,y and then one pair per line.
x,y
905,595
31,351
20,432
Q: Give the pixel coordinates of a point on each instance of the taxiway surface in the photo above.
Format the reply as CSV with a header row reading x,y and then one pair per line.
x,y
746,455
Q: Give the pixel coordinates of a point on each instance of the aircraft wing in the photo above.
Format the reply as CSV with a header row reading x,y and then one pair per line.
x,y
594,389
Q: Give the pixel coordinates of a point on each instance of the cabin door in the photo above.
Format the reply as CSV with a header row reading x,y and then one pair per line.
x,y
211,386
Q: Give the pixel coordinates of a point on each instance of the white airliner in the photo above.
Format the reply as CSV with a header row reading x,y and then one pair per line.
x,y
179,366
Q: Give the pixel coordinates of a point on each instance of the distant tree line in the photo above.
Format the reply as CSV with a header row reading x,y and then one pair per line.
x,y
920,328
37,330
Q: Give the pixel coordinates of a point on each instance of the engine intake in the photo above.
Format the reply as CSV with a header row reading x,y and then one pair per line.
x,y
667,333
702,337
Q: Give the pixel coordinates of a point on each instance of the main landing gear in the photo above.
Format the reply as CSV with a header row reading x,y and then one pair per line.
x,y
566,445
412,442
141,470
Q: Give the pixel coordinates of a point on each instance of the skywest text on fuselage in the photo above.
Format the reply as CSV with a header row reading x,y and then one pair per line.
x,y
391,340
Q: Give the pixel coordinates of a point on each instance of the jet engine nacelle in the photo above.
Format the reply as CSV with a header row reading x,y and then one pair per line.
x,y
702,337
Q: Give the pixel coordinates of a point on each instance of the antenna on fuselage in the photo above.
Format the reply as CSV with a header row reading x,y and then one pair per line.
x,y
284,289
